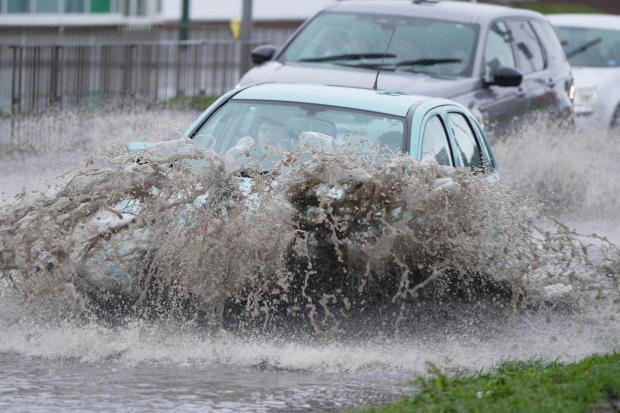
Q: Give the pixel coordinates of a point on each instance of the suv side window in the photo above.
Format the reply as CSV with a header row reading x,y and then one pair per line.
x,y
498,51
466,143
435,142
530,56
555,52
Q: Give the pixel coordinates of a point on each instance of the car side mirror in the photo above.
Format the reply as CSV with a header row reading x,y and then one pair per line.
x,y
507,77
262,54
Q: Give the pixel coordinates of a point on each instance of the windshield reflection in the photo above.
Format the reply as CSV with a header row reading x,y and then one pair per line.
x,y
287,125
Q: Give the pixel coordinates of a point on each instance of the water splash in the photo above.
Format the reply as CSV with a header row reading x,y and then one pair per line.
x,y
264,254
331,242
572,172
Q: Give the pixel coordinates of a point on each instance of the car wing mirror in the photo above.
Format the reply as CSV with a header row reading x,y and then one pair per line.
x,y
507,77
262,54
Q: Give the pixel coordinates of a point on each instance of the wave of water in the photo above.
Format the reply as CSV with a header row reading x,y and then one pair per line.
x,y
553,293
321,234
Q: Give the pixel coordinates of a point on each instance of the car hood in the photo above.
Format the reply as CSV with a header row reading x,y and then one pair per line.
x,y
329,74
586,77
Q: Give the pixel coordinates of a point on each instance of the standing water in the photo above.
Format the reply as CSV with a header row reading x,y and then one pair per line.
x,y
425,266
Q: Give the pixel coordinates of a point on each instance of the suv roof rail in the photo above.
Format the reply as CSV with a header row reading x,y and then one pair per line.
x,y
425,1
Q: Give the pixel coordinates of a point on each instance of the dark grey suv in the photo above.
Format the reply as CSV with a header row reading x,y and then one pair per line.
x,y
501,63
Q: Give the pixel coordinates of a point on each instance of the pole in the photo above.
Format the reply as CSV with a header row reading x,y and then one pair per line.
x,y
246,36
184,27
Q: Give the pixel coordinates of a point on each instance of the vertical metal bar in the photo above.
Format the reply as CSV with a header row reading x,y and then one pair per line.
x,y
61,76
203,71
53,89
79,75
181,52
246,36
105,71
135,66
229,50
88,50
222,67
127,68
157,71
167,65
145,70
214,57
16,77
35,77
195,69
184,26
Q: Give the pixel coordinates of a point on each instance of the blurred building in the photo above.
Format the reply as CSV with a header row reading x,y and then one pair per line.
x,y
93,21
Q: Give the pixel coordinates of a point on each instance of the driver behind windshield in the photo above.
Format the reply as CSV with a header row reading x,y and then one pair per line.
x,y
272,133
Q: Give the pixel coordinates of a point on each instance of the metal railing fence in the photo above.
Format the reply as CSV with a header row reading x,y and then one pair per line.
x,y
34,78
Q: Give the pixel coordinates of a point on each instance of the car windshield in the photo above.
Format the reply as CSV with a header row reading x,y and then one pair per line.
x,y
285,125
435,47
590,47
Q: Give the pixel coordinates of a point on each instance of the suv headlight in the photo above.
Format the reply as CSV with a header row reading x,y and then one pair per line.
x,y
585,99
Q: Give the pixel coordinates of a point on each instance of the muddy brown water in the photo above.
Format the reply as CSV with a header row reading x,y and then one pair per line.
x,y
51,363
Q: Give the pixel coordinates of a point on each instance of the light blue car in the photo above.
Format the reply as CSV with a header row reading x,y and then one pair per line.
x,y
424,127
331,117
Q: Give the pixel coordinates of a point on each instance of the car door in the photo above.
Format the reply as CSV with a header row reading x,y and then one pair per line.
x,y
501,106
558,75
467,149
532,61
452,137
435,142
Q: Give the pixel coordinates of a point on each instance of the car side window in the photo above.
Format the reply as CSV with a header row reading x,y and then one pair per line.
x,y
435,142
466,142
530,57
498,51
555,53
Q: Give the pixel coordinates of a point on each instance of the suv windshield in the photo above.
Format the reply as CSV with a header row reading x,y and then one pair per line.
x,y
590,47
419,45
286,124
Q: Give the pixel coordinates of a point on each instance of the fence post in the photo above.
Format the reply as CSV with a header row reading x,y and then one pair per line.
x,y
246,37
36,51
61,74
53,92
181,52
16,79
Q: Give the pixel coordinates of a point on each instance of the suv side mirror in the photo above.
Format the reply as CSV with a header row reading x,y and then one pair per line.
x,y
262,54
507,76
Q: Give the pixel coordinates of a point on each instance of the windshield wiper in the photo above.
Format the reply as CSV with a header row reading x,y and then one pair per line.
x,y
350,56
584,47
428,62
373,66
393,66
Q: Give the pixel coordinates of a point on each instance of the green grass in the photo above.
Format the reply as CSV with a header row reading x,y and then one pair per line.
x,y
519,387
557,8
195,102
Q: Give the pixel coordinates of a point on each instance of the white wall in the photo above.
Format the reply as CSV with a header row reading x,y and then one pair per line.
x,y
231,9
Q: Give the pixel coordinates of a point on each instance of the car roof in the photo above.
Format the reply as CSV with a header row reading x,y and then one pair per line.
x,y
599,21
390,103
444,10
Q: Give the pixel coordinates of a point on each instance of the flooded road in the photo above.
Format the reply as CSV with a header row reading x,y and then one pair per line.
x,y
52,363
145,367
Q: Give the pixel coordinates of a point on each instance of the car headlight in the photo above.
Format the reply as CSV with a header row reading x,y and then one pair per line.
x,y
585,99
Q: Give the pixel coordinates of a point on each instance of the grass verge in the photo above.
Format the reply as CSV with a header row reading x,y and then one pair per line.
x,y
198,103
557,8
591,385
